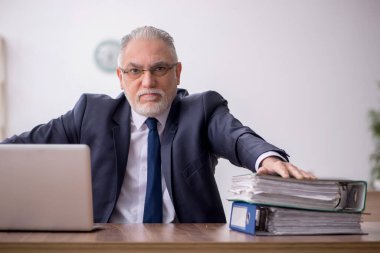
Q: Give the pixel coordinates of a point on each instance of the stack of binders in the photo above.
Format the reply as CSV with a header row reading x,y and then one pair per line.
x,y
271,205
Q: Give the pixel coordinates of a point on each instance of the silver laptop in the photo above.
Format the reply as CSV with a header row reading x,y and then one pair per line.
x,y
45,187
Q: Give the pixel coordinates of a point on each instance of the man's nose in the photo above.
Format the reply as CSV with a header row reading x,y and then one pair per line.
x,y
148,79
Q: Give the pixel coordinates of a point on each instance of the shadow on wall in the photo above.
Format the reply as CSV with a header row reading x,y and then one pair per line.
x,y
374,116
2,89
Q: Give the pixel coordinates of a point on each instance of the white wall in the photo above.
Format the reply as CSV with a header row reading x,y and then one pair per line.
x,y
302,73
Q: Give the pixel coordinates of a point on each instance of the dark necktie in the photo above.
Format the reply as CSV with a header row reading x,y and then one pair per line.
x,y
153,197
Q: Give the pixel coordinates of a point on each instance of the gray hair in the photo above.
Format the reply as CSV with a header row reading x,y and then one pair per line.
x,y
147,32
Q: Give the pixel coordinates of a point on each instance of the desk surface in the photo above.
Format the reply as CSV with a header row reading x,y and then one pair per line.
x,y
372,206
184,238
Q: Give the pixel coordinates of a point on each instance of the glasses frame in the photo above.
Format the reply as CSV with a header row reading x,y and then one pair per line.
x,y
150,70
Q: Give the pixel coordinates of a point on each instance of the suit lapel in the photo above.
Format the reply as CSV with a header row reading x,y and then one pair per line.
x,y
171,127
121,138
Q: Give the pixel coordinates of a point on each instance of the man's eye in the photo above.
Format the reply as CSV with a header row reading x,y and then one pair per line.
x,y
159,69
134,71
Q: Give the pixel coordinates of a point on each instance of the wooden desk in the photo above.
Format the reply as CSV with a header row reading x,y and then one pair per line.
x,y
372,206
185,238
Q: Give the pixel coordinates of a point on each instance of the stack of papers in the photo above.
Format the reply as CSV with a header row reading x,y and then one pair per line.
x,y
283,221
288,206
322,194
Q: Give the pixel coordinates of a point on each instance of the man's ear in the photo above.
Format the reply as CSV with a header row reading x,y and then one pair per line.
x,y
120,76
178,72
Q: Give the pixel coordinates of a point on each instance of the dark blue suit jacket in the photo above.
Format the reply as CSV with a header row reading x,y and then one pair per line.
x,y
199,130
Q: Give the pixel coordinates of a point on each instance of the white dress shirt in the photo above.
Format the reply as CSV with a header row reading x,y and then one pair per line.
x,y
130,205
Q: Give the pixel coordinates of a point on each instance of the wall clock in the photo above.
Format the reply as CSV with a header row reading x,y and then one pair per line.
x,y
106,54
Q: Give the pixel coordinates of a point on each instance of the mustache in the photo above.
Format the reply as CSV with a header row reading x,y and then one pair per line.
x,y
150,91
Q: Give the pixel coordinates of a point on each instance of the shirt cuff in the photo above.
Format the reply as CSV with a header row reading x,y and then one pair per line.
x,y
265,155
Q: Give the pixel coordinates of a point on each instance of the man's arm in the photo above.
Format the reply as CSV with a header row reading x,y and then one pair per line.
x,y
243,147
62,130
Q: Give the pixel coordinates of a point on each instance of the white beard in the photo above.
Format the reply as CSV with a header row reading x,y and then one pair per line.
x,y
149,109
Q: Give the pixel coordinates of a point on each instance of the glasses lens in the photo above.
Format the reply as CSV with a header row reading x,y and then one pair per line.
x,y
160,70
134,73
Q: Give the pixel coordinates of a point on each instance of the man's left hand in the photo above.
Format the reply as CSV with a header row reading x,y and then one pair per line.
x,y
273,165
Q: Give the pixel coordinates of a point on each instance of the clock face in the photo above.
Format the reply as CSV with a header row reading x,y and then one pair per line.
x,y
106,54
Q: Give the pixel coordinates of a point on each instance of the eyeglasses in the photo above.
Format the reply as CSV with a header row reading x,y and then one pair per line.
x,y
158,70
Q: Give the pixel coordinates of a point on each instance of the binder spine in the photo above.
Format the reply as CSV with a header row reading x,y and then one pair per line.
x,y
243,217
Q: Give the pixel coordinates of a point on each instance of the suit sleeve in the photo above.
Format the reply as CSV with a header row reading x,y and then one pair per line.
x,y
63,130
229,138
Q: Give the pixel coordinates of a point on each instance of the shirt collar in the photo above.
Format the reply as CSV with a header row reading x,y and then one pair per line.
x,y
139,120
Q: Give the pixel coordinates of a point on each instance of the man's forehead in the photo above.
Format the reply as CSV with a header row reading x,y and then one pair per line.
x,y
151,64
